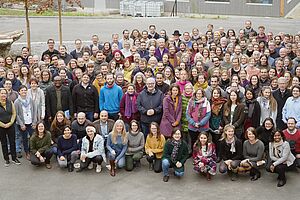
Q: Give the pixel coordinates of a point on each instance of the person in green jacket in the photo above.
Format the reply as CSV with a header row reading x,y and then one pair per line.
x,y
175,154
40,142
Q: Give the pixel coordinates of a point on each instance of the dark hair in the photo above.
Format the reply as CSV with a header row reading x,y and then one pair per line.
x,y
21,87
269,119
36,129
67,126
277,131
134,121
174,85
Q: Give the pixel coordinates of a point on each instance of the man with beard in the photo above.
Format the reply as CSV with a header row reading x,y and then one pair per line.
x,y
58,97
85,98
160,84
292,135
109,102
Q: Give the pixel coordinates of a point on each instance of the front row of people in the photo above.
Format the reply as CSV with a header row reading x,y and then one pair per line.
x,y
126,149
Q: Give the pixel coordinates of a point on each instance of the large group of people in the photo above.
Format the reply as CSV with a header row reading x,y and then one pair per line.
x,y
216,96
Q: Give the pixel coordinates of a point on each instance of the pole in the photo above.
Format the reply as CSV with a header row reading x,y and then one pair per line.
x,y
27,25
59,22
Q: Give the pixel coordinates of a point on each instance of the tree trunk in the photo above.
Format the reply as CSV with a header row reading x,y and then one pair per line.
x,y
59,22
27,25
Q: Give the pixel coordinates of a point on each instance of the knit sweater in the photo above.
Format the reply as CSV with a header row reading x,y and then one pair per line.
x,y
40,144
136,143
66,146
118,147
253,152
155,146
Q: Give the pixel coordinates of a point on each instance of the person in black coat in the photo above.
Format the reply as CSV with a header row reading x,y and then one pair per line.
x,y
231,152
252,110
58,97
86,98
281,95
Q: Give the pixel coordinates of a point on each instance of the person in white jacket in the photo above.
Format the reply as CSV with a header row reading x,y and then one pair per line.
x,y
92,149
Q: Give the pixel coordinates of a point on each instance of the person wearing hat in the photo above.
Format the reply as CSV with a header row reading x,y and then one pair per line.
x,y
177,40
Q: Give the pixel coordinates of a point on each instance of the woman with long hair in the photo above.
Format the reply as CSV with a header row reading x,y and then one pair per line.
x,y
281,157
252,110
172,111
154,147
174,155
38,97
253,151
46,80
67,149
234,114
136,144
24,75
198,114
268,104
204,156
57,128
231,152
40,151
128,106
117,143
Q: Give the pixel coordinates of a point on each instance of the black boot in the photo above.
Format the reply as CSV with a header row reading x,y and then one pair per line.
x,y
70,167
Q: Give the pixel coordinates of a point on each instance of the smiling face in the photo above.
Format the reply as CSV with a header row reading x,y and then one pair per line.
x,y
203,139
177,135
229,133
277,137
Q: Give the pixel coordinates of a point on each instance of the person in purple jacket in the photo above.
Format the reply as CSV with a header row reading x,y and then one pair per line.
x,y
172,111
161,49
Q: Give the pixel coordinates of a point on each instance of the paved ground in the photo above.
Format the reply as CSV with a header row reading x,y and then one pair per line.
x,y
29,182
73,28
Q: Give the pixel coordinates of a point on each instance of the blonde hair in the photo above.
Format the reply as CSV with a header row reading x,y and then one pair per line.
x,y
226,128
273,102
115,133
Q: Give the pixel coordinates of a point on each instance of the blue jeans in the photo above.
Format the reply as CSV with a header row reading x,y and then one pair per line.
x,y
165,167
25,134
90,116
145,129
18,139
120,163
53,150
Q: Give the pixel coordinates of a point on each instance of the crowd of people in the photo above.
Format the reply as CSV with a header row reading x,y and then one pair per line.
x,y
216,96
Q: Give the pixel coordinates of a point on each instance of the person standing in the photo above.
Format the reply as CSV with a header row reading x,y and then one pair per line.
x,y
86,99
109,102
149,104
7,128
291,106
281,95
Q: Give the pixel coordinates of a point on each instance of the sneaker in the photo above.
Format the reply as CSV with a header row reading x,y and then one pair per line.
x,y
6,164
98,169
166,178
48,166
16,162
108,167
91,166
76,165
19,155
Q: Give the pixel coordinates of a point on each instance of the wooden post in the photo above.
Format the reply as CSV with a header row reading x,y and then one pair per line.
x,y
59,22
27,25
282,8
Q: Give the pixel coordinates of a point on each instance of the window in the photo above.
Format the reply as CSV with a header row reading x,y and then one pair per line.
x,y
260,1
220,1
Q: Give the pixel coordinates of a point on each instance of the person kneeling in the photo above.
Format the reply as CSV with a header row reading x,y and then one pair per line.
x,y
175,154
92,149
40,142
136,143
204,156
67,149
117,146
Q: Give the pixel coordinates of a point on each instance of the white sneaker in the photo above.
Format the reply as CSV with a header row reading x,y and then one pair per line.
x,y
98,169
91,166
108,167
76,165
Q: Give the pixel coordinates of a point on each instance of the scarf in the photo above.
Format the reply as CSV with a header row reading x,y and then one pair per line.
x,y
174,58
130,104
25,102
200,102
187,95
250,104
217,104
176,146
175,101
276,148
202,85
232,145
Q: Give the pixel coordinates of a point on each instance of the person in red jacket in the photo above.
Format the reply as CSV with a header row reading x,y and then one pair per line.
x,y
292,135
